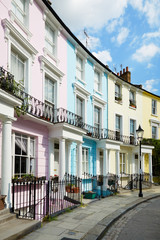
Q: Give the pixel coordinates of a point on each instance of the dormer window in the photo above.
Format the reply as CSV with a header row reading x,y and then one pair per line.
x,y
118,95
132,101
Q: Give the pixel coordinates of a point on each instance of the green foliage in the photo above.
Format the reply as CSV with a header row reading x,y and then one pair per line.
x,y
48,218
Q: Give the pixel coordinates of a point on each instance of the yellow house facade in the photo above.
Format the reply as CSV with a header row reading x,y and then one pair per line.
x,y
125,104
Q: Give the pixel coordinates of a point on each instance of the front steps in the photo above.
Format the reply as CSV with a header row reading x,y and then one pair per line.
x,y
12,228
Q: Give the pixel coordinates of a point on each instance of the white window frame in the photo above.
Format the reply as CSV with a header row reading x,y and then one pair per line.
x,y
50,70
154,109
47,81
98,102
21,45
22,24
18,55
98,83
134,126
82,69
98,124
27,156
120,117
78,98
118,94
153,126
52,55
82,93
85,160
155,123
123,163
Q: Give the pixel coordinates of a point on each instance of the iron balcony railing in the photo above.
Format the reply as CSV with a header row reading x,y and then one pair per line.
x,y
46,112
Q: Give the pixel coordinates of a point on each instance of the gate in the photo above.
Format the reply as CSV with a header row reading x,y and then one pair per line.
x,y
38,198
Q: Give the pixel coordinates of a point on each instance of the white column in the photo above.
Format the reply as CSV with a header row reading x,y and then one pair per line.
x,y
133,163
117,163
69,158
105,168
150,165
109,153
142,163
105,162
51,158
61,158
6,167
80,160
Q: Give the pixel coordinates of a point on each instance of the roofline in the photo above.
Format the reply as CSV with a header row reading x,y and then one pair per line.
x,y
86,50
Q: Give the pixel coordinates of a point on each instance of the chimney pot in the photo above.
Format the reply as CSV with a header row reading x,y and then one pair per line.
x,y
120,73
117,74
126,69
123,70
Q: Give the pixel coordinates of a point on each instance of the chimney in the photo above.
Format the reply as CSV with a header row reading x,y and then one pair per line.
x,y
126,75
117,74
120,73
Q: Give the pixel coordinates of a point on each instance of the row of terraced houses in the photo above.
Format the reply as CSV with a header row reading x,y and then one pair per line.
x,y
80,117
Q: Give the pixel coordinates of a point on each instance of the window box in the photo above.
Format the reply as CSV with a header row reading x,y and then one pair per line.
x,y
90,195
119,99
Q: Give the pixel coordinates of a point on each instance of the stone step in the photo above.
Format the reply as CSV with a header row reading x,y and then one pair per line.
x,y
4,211
7,217
17,228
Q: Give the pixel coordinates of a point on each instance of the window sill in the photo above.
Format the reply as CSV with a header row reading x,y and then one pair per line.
x,y
134,108
46,52
154,115
81,81
97,92
14,18
119,102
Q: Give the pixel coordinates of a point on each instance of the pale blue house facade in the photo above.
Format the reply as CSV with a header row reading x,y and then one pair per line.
x,y
87,89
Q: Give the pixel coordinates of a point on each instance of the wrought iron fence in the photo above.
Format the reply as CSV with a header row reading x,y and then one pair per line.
x,y
47,112
133,180
38,198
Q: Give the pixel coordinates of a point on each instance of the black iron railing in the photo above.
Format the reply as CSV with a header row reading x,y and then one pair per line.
x,y
46,112
39,198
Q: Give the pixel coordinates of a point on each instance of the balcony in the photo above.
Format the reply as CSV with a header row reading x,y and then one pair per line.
x,y
43,111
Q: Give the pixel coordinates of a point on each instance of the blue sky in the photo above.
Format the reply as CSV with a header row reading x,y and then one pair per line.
x,y
121,32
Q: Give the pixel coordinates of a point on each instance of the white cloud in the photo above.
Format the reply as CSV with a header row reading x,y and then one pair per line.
x,y
78,14
111,26
92,42
103,56
150,8
149,65
122,36
152,11
146,53
151,35
137,4
149,85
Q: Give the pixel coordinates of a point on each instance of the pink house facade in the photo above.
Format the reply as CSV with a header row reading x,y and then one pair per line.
x,y
33,53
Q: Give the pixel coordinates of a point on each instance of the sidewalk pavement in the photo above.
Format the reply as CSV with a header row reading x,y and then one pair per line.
x,y
92,221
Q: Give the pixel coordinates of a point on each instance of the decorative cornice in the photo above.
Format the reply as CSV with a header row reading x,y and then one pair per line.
x,y
14,18
49,65
10,30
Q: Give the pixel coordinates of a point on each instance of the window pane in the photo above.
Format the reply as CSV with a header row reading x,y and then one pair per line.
x,y
79,107
17,165
132,127
23,165
49,90
117,123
